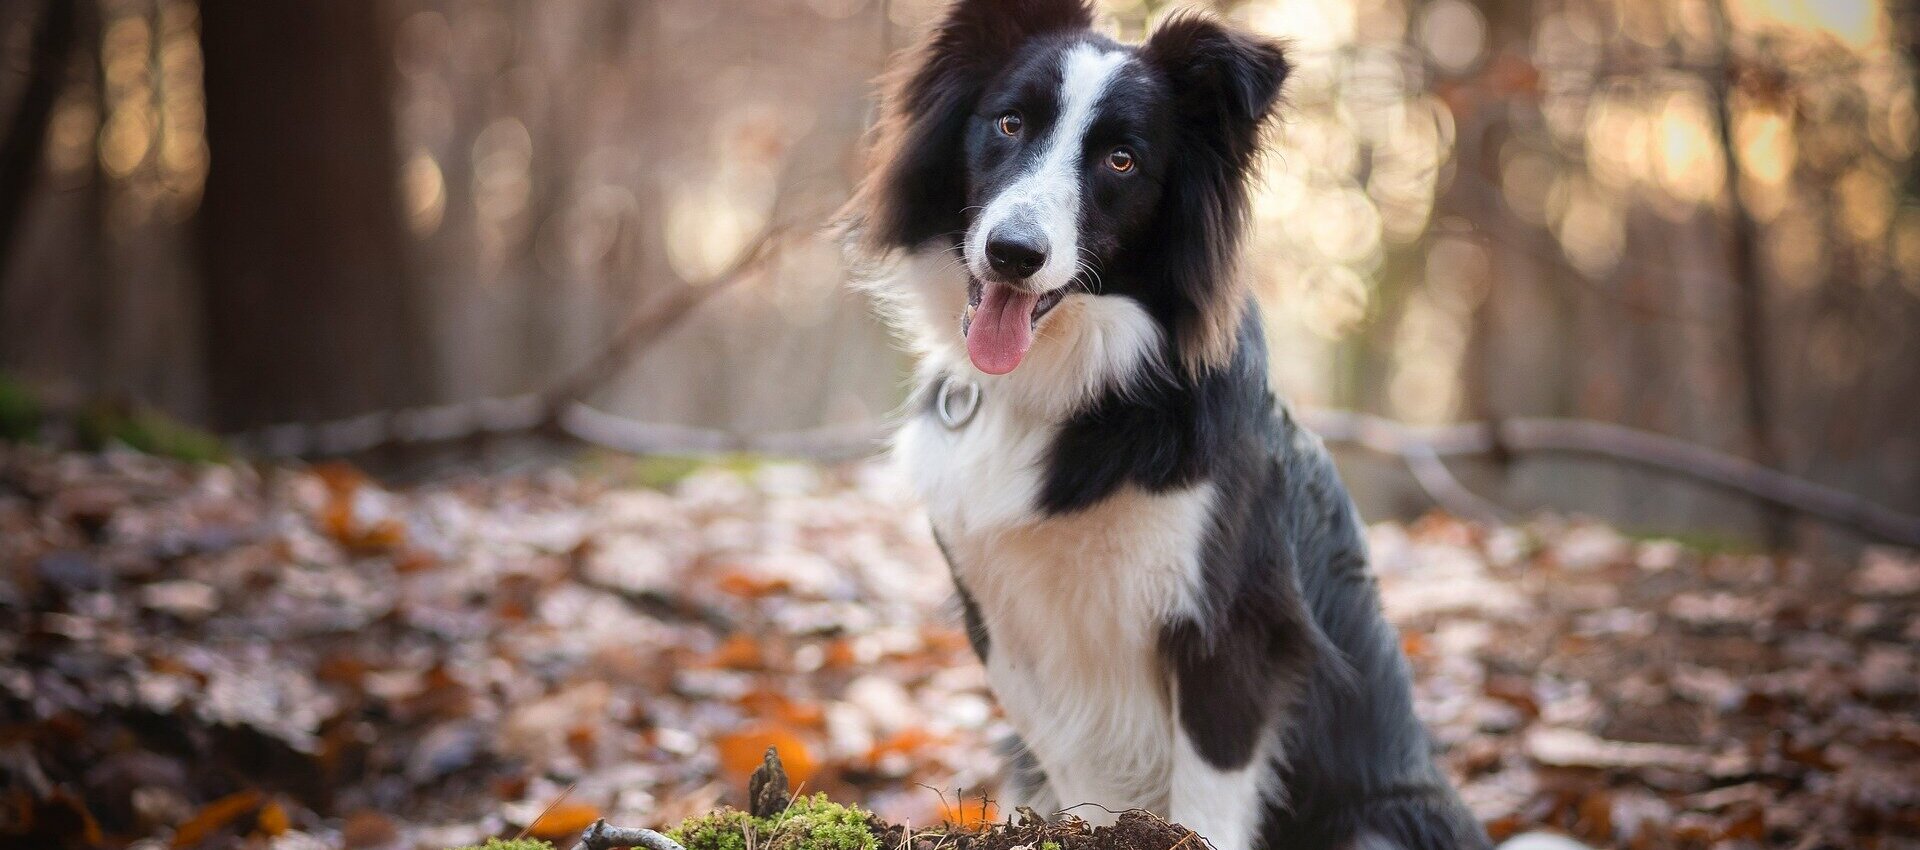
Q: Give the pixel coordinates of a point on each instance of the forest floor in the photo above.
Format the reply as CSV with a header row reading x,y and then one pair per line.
x,y
209,655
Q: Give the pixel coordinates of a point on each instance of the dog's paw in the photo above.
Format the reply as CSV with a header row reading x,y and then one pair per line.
x,y
1541,841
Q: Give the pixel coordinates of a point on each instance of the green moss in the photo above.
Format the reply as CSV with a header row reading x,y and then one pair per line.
x,y
150,431
517,844
20,411
810,823
725,829
664,472
814,823
1049,845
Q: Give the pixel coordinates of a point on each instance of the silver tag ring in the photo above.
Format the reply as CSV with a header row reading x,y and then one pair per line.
x,y
955,413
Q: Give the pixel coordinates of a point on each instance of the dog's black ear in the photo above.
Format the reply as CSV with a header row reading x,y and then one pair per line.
x,y
1229,81
915,187
1224,84
988,31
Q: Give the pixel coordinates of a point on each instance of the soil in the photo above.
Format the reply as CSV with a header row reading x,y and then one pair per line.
x,y
1134,830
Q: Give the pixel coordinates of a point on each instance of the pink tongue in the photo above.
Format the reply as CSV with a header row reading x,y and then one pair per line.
x,y
1002,329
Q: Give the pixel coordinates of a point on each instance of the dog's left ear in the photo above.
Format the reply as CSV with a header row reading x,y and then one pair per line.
x,y
1226,83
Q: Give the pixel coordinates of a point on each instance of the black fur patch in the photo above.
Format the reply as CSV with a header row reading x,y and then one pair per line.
x,y
969,608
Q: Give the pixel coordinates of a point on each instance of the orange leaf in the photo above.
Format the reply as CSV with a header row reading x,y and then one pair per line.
x,y
337,516
840,655
906,743
776,707
1413,644
740,751
750,587
273,819
563,820
215,816
740,652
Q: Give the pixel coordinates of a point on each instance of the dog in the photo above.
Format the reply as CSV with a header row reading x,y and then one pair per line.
x,y
1161,571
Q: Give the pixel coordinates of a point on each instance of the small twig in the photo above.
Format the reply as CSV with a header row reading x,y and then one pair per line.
x,y
1069,810
944,809
548,810
600,836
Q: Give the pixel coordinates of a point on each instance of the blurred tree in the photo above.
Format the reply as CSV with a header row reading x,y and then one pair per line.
x,y
26,136
311,308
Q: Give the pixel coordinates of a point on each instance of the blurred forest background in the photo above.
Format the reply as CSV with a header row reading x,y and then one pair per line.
x,y
421,233
1700,218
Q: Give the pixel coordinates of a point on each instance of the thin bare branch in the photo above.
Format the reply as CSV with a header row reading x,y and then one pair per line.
x,y
650,322
600,836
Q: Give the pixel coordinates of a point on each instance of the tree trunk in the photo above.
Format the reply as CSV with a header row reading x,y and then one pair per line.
x,y
1750,293
311,309
26,133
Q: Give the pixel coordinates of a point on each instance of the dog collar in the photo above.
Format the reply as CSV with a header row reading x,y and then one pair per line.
x,y
956,402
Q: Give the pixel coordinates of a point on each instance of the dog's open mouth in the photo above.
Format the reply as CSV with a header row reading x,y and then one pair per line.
x,y
999,323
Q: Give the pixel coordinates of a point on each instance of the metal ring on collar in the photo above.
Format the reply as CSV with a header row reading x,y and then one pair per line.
x,y
956,412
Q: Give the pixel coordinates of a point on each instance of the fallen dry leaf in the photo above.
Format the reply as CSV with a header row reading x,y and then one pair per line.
x,y
563,820
740,751
216,816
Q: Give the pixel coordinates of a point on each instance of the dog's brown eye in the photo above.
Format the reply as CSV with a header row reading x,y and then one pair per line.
x,y
1009,124
1121,160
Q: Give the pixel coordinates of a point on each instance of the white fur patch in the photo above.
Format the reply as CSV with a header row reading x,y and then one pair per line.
x,y
1073,605
1049,195
1226,807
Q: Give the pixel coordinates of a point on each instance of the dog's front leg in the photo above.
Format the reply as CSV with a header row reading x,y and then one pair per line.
x,y
1225,805
1229,690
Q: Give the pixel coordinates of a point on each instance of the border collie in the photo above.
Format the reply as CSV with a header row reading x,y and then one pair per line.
x,y
1160,570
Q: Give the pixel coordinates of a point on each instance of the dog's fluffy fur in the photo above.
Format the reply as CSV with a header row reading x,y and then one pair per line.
x,y
1161,571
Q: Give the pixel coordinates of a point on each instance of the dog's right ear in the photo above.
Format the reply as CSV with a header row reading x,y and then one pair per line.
x,y
915,187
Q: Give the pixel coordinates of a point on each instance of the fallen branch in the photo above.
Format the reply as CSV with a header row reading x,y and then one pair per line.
x,y
1421,447
646,325
1619,443
557,410
600,836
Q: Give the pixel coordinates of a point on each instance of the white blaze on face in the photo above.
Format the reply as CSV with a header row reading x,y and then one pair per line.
x,y
1048,195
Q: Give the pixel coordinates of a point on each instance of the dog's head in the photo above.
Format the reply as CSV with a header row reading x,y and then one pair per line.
x,y
1057,163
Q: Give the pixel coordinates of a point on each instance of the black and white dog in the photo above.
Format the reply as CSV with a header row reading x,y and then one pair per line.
x,y
1161,571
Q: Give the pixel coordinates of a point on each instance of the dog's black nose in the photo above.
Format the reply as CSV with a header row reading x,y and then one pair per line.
x,y
1015,256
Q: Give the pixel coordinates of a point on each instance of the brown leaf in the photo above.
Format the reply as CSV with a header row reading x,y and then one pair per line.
x,y
368,828
740,652
1594,818
216,816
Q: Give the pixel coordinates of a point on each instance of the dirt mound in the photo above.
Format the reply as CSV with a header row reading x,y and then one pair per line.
x,y
1134,830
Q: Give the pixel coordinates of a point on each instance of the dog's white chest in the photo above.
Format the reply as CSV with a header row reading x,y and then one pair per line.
x,y
1073,605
